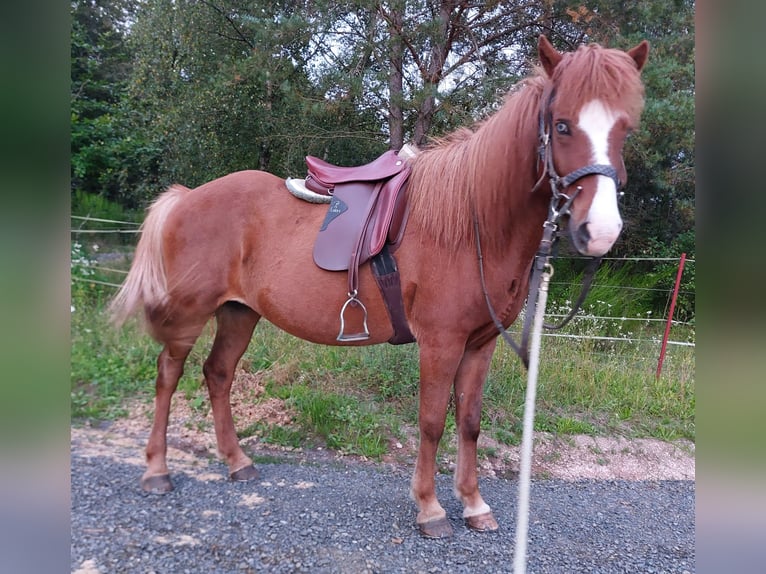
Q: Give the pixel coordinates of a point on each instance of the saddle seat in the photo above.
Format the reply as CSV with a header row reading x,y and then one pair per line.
x,y
327,175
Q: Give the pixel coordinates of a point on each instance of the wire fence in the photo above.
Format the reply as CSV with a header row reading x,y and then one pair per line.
x,y
93,264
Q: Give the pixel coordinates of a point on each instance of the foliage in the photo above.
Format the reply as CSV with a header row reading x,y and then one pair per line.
x,y
107,366
223,87
423,66
107,157
346,423
665,274
80,269
92,205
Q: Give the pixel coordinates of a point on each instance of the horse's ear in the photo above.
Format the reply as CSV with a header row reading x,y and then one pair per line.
x,y
549,57
639,54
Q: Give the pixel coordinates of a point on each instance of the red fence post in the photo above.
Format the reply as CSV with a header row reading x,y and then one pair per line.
x,y
670,315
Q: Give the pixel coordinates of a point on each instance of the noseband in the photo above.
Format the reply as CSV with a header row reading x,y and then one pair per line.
x,y
559,206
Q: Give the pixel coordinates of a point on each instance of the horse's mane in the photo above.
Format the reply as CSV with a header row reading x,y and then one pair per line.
x,y
476,165
495,161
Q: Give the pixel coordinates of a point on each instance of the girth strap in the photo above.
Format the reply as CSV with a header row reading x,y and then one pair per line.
x,y
386,275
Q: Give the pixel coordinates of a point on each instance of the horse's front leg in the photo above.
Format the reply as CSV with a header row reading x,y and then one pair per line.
x,y
438,365
469,384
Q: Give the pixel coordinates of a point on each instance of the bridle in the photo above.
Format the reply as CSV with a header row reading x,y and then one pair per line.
x,y
559,207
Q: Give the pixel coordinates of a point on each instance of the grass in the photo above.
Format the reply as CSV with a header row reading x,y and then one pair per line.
x,y
356,400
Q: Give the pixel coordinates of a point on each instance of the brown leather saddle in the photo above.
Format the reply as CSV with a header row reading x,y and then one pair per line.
x,y
367,215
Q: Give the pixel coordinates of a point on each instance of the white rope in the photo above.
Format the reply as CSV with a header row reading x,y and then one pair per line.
x,y
105,231
88,218
619,339
627,258
648,340
96,281
614,318
522,514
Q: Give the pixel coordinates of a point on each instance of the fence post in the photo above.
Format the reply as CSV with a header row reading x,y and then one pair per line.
x,y
670,315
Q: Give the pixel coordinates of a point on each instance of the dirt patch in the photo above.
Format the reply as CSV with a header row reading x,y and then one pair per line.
x,y
191,442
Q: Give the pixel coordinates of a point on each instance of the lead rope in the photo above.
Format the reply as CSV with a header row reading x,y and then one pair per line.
x,y
543,271
529,351
522,515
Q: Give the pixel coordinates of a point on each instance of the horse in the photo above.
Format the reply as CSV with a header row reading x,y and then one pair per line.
x,y
239,247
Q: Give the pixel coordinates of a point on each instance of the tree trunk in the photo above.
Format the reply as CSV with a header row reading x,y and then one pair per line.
x,y
395,86
432,76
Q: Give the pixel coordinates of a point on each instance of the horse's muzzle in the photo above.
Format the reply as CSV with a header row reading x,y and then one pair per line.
x,y
595,240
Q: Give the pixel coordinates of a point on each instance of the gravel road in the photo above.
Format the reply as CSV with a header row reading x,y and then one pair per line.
x,y
326,516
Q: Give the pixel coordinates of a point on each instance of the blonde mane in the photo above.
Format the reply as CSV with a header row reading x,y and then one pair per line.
x,y
491,166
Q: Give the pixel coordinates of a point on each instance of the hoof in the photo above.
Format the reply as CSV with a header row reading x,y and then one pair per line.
x,y
482,522
438,528
157,484
245,473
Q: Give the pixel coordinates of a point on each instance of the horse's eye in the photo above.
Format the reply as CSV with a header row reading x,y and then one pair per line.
x,y
562,128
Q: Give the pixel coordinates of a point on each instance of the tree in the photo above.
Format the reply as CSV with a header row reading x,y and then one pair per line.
x,y
224,86
99,72
424,66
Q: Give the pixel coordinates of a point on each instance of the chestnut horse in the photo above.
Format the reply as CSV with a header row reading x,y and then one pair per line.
x,y
240,248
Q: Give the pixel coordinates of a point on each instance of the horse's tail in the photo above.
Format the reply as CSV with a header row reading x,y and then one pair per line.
x,y
146,284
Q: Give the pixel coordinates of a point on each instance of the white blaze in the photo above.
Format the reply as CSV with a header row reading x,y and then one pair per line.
x,y
603,221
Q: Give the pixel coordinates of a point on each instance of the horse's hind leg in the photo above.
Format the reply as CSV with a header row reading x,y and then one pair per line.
x,y
235,325
170,367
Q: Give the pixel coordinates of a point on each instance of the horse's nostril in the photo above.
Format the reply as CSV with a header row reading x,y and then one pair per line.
x,y
582,234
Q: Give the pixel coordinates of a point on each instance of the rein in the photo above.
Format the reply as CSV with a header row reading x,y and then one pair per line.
x,y
559,206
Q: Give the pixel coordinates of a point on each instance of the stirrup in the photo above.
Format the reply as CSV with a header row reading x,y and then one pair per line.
x,y
352,336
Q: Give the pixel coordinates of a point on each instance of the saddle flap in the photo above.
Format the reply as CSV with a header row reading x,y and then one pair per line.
x,y
342,225
383,167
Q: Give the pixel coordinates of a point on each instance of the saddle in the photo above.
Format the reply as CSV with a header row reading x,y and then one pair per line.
x,y
366,218
367,209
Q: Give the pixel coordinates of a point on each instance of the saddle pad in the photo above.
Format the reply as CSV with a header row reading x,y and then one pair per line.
x,y
339,234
